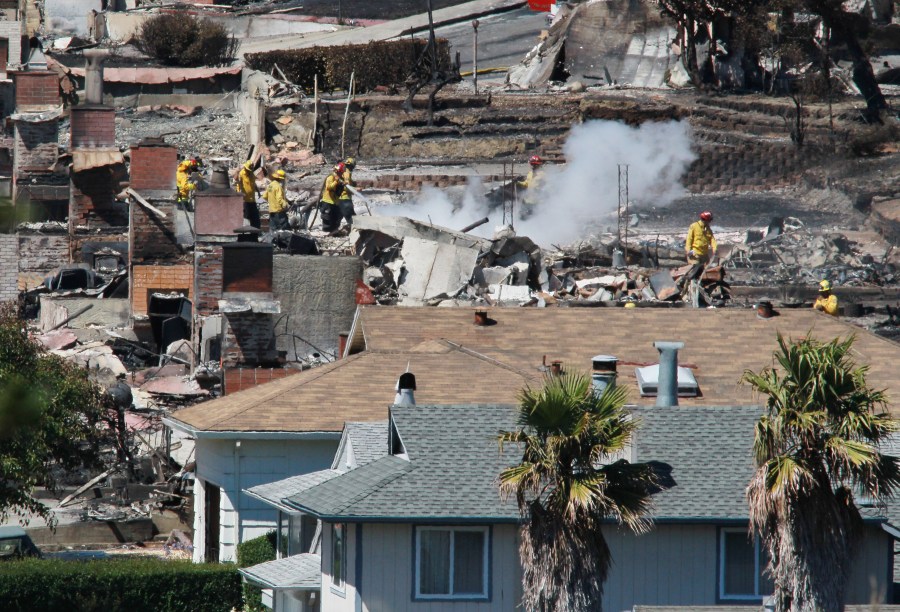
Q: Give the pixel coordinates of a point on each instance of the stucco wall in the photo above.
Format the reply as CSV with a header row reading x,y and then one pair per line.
x,y
318,301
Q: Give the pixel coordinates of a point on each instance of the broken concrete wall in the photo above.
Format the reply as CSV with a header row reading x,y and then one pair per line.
x,y
317,296
109,312
9,266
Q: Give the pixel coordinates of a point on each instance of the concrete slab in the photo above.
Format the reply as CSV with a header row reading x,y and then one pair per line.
x,y
111,312
434,270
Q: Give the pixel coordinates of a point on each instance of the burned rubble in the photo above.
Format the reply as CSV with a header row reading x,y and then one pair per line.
x,y
168,302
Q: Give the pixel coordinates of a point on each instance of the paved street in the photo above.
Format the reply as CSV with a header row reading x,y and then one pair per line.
x,y
503,39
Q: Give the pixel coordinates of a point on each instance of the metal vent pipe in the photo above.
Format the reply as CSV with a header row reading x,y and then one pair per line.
x,y
667,390
406,385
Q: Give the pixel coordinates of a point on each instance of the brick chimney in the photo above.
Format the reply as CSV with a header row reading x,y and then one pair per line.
x,y
153,166
36,90
93,125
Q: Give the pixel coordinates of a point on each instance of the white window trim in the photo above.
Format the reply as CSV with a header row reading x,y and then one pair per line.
x,y
339,588
485,565
759,569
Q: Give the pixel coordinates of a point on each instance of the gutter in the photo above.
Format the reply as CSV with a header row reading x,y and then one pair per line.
x,y
433,520
205,434
277,505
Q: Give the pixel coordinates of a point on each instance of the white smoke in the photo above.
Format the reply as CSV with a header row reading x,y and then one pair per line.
x,y
584,191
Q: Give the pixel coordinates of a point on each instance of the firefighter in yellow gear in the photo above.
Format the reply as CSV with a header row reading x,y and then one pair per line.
x,y
827,302
345,201
278,204
246,186
183,181
700,247
330,198
533,182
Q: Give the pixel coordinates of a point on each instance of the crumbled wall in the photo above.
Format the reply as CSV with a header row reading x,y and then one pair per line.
x,y
92,200
36,145
318,301
9,267
42,252
152,238
208,276
11,30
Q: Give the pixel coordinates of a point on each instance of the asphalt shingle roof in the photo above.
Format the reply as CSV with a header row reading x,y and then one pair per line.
x,y
273,492
302,571
358,388
368,440
454,463
719,344
459,362
451,474
709,450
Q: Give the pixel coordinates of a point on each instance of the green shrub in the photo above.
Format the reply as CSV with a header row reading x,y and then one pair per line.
x,y
133,585
181,39
375,63
253,552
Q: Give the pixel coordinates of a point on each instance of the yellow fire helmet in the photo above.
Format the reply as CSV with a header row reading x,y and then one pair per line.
x,y
248,165
350,162
278,174
824,286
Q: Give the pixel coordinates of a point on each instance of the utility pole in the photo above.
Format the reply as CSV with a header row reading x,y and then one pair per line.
x,y
475,55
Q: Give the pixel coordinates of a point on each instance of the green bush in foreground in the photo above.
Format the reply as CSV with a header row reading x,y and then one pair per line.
x,y
253,552
131,585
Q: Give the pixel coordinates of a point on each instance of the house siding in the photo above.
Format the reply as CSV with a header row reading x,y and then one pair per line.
x,y
387,573
254,462
678,565
872,575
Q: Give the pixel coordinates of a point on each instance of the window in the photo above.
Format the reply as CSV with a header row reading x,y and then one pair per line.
x,y
742,566
451,562
338,554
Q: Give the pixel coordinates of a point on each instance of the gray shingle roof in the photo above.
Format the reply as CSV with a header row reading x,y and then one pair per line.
x,y
273,492
709,451
297,572
368,440
451,474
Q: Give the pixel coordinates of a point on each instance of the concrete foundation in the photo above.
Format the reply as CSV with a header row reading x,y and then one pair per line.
x,y
317,301
111,312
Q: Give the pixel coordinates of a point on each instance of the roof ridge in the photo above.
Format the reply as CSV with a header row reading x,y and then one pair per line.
x,y
380,483
491,360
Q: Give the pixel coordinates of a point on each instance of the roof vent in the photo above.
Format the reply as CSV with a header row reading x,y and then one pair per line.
x,y
603,373
406,385
648,381
667,387
481,318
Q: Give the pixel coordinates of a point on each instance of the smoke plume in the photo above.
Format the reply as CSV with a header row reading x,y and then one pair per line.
x,y
581,193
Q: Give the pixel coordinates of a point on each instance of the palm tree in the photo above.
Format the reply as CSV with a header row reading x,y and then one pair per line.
x,y
571,479
815,448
